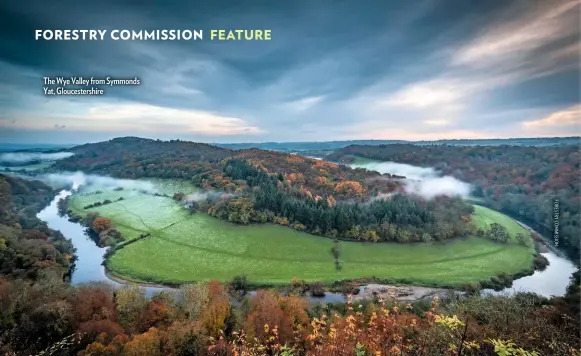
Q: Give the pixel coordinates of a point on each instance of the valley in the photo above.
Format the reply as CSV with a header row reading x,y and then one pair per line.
x,y
385,178
162,224
169,241
182,247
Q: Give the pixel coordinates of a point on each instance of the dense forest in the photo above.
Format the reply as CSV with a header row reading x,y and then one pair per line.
x,y
311,195
28,248
398,218
532,183
204,319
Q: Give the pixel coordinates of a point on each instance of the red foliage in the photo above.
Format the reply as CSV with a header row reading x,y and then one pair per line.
x,y
156,314
215,313
108,328
266,313
93,302
101,224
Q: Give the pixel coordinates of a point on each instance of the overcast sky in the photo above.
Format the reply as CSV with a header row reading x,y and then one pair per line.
x,y
334,70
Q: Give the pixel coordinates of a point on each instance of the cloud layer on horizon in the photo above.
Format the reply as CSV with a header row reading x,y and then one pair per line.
x,y
388,70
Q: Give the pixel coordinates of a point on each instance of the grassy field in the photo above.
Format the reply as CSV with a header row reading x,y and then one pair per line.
x,y
138,212
185,248
484,217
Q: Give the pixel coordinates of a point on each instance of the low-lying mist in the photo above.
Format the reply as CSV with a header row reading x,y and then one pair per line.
x,y
24,157
198,196
90,182
77,179
426,182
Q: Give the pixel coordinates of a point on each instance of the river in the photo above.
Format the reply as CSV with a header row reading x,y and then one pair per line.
x,y
89,268
553,281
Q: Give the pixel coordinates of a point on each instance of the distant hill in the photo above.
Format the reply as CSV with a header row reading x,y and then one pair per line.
x,y
324,145
31,147
124,151
304,146
334,145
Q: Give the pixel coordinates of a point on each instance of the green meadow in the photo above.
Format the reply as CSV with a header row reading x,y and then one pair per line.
x,y
484,217
187,248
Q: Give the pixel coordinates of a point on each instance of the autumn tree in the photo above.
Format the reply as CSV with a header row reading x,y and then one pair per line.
x,y
155,314
216,311
192,299
101,224
186,338
130,304
146,344
265,313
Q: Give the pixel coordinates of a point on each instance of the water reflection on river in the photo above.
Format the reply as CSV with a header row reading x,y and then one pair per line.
x,y
552,281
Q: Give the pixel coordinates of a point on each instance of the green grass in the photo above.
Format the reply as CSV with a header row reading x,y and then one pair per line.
x,y
137,213
484,217
186,248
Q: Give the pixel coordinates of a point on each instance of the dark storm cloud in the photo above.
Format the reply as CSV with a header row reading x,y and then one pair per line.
x,y
332,69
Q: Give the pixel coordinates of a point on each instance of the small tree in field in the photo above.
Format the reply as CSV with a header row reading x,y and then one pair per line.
x,y
497,233
522,239
101,224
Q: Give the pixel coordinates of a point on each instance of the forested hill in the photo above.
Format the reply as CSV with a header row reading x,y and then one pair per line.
x,y
523,181
28,248
312,195
130,149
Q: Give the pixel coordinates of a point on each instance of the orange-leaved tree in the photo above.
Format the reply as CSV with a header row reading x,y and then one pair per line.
x,y
101,224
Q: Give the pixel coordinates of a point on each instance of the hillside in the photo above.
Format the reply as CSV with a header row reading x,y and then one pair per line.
x,y
522,181
132,157
311,195
134,150
28,248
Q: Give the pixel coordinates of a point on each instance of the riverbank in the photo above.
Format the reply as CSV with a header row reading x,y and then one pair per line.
x,y
89,266
118,279
210,248
363,291
366,292
403,293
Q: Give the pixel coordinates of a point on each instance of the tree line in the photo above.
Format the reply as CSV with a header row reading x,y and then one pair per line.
x,y
523,181
309,195
399,218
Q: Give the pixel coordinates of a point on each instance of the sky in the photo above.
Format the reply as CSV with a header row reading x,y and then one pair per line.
x,y
333,70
